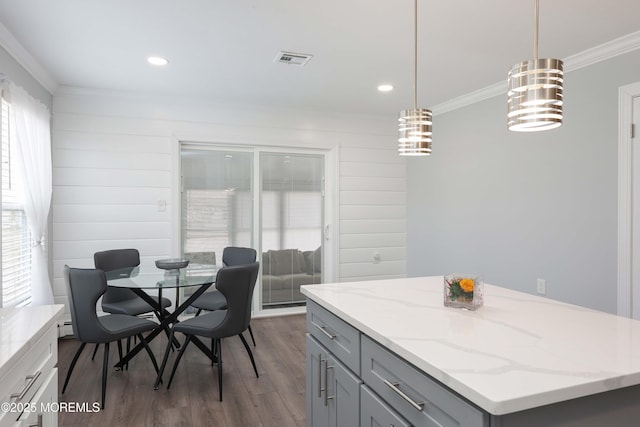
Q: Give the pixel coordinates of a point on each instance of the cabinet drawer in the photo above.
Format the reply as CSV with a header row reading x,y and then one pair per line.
x,y
413,394
337,336
375,412
28,375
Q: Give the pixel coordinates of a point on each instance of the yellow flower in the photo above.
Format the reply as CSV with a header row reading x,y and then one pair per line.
x,y
466,285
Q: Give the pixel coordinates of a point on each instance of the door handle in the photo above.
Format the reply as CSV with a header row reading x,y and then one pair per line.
x,y
323,329
326,382
396,388
31,380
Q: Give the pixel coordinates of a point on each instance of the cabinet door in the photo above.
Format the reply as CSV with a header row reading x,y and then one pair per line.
x,y
317,413
374,412
343,394
44,404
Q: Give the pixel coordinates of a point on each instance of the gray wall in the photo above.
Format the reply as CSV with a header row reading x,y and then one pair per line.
x,y
515,207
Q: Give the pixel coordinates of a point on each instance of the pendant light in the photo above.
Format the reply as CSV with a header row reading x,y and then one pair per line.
x,y
415,124
535,91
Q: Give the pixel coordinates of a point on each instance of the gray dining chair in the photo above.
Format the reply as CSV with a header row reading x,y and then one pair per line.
x,y
214,300
236,284
123,300
84,288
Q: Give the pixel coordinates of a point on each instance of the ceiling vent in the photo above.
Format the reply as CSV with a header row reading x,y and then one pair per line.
x,y
290,58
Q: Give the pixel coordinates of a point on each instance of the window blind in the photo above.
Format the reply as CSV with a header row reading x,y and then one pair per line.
x,y
16,241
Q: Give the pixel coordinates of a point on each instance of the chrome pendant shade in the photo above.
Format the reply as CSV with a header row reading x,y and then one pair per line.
x,y
414,125
535,92
415,132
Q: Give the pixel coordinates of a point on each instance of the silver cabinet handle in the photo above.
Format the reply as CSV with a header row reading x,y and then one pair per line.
x,y
323,329
396,388
31,380
320,389
326,383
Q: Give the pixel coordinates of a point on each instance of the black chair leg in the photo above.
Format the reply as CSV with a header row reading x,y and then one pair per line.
x,y
126,366
213,349
180,354
120,351
95,350
219,358
105,370
252,338
73,364
253,362
198,312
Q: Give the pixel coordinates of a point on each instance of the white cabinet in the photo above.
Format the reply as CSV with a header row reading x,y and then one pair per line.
x,y
28,359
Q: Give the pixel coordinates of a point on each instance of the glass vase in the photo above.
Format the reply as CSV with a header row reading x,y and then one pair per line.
x,y
463,291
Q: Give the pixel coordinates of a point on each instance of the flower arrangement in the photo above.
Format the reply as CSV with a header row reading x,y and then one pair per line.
x,y
463,290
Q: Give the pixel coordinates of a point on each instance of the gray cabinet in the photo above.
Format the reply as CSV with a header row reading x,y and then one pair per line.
x,y
375,412
333,391
420,399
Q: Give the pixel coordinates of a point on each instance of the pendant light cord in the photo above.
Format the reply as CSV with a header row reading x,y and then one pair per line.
x,y
415,54
535,33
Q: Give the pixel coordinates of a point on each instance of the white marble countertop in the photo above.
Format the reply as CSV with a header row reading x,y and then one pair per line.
x,y
516,352
20,328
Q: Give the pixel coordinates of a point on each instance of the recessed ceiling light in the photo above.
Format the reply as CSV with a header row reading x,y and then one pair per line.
x,y
385,88
157,60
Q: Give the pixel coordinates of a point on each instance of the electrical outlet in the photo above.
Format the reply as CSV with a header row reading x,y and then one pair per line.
x,y
541,287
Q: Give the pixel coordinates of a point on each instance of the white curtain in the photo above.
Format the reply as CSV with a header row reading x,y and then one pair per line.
x,y
30,127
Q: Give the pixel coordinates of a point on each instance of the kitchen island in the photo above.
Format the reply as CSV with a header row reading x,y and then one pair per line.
x,y
519,360
28,365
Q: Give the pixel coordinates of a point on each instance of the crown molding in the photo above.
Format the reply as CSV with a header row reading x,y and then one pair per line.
x,y
591,56
26,60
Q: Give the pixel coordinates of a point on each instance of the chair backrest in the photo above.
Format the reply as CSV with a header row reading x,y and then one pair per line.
x,y
236,284
233,255
84,288
115,259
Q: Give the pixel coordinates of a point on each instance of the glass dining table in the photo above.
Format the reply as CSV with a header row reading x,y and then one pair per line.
x,y
141,280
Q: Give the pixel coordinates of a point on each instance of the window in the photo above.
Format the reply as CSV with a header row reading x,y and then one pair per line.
x,y
16,241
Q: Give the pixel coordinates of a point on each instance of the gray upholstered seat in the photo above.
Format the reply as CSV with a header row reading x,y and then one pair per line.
x,y
214,300
236,284
84,288
122,300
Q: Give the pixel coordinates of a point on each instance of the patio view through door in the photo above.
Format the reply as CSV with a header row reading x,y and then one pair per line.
x,y
272,201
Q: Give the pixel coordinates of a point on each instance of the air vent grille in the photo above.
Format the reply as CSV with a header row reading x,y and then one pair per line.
x,y
290,58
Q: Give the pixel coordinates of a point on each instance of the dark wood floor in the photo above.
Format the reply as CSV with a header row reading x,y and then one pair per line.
x,y
277,398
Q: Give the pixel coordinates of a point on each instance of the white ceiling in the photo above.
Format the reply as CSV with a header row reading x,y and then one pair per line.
x,y
224,50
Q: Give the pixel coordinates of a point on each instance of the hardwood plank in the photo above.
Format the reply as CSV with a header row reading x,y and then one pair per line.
x,y
276,398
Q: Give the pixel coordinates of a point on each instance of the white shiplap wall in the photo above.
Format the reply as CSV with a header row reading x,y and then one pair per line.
x,y
114,158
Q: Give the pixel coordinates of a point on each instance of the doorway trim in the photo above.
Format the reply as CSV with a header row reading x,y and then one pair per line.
x,y
625,196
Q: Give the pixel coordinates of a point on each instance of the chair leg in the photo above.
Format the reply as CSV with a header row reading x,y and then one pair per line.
x,y
219,357
73,364
253,362
213,349
95,350
120,350
198,312
180,354
252,338
126,366
151,356
105,370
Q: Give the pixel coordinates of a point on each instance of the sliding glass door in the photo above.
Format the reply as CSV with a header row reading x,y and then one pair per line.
x,y
271,201
292,206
